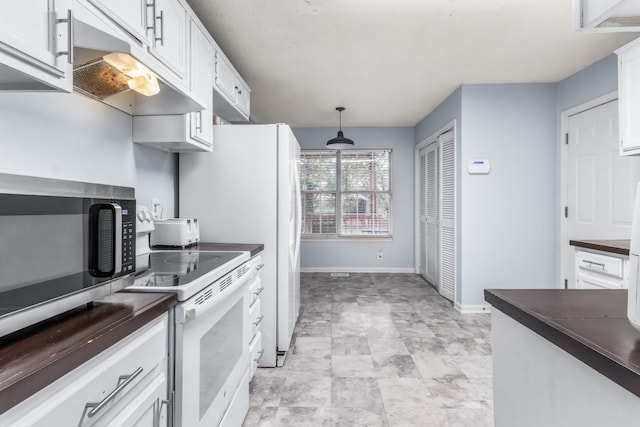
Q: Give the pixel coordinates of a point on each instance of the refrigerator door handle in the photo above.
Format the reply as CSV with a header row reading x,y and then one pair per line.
x,y
298,224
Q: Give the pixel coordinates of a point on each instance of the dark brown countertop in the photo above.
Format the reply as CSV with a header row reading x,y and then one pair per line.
x,y
591,325
253,248
620,247
37,356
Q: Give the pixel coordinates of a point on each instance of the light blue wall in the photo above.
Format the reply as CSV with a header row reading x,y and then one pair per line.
x,y
450,109
69,136
592,82
508,217
398,254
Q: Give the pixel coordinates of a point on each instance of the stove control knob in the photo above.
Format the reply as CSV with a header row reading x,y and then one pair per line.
x,y
190,314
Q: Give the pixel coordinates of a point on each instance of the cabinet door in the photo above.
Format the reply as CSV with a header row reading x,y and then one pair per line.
x,y
629,99
147,409
244,98
34,47
170,35
202,60
225,78
129,14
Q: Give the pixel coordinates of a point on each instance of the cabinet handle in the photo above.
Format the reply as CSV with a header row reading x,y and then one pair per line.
x,y
161,18
69,22
260,353
151,5
258,321
199,121
237,88
259,291
158,414
123,381
599,264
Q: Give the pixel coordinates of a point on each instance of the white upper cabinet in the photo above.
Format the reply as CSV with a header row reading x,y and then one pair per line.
x,y
169,38
243,100
629,97
202,58
606,15
185,132
131,15
36,45
232,96
225,77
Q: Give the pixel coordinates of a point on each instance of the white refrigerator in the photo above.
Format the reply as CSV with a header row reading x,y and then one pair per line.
x,y
247,191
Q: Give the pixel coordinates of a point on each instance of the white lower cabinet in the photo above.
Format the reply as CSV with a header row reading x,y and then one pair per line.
x,y
601,270
125,385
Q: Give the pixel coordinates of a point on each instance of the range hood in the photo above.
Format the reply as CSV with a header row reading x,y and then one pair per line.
x,y
94,75
606,15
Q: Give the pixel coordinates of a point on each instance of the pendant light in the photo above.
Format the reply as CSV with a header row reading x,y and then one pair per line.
x,y
340,142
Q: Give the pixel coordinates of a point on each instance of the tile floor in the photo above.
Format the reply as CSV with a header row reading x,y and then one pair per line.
x,y
378,350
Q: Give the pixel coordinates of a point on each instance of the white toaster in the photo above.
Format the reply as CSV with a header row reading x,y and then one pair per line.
x,y
175,232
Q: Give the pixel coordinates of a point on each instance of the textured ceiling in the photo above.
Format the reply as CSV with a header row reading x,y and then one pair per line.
x,y
391,62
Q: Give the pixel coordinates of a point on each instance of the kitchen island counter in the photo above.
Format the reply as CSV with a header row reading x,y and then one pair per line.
x,y
564,356
35,357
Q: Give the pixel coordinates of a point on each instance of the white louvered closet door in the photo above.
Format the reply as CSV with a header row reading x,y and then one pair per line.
x,y
437,214
447,216
429,207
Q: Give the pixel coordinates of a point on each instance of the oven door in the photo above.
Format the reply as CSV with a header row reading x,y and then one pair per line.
x,y
212,353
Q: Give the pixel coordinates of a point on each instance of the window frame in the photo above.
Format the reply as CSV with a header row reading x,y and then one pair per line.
x,y
339,192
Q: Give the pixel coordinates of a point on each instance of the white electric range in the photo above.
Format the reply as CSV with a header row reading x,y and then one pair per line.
x,y
210,338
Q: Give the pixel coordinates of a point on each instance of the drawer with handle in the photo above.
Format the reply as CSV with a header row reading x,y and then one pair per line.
x,y
102,388
255,316
256,351
600,264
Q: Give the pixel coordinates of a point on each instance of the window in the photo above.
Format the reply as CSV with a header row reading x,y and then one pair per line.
x,y
346,193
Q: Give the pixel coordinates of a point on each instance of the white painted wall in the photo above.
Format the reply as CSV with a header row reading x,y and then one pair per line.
x,y
69,136
536,383
362,255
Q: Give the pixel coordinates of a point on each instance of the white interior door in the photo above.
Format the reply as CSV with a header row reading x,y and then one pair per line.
x,y
600,183
437,214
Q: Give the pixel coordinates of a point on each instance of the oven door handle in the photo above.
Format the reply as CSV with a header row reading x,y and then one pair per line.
x,y
197,306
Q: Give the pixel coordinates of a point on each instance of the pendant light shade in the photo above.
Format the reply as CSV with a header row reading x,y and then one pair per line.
x,y
340,142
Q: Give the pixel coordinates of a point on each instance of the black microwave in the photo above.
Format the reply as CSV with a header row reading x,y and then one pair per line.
x,y
62,244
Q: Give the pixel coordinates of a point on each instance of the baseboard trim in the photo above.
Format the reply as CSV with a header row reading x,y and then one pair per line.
x,y
357,270
472,309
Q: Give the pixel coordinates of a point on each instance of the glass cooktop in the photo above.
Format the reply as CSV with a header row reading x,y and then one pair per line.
x,y
183,271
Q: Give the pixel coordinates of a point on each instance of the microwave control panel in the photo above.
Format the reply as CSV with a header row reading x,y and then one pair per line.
x,y
128,235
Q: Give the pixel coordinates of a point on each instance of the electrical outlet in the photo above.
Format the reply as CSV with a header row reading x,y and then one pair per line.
x,y
379,254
